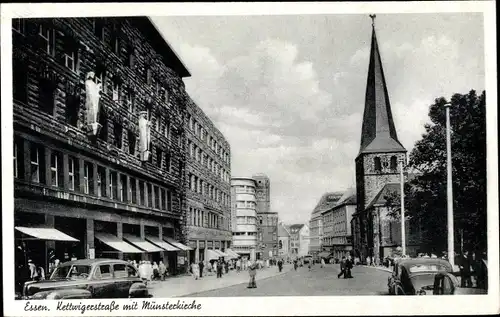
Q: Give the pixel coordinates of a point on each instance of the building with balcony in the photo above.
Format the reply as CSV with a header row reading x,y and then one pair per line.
x,y
244,216
208,192
326,201
337,234
98,109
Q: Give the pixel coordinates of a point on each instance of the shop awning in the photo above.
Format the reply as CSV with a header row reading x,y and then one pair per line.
x,y
162,244
212,255
232,254
141,243
116,243
46,234
224,254
177,244
324,254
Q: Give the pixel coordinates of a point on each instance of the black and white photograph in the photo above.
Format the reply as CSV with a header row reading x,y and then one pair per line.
x,y
202,155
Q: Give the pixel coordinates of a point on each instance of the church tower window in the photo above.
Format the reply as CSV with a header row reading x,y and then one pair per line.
x,y
394,163
378,164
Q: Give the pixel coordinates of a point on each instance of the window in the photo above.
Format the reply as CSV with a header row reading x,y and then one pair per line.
x,y
103,272
150,195
142,193
129,101
55,164
113,185
131,142
394,163
163,199
103,121
118,134
115,41
120,270
20,80
169,200
133,190
71,173
159,158
116,90
47,37
46,96
149,76
157,197
101,181
99,28
100,77
377,163
87,177
131,56
168,162
123,188
72,108
18,25
167,129
165,95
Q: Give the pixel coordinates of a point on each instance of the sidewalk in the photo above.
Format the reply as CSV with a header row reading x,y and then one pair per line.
x,y
185,285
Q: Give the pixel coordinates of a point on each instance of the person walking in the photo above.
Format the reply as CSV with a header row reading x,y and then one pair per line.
x,y
238,265
219,269
156,271
280,265
195,269
465,270
201,265
226,266
252,272
295,264
342,268
162,269
349,266
322,262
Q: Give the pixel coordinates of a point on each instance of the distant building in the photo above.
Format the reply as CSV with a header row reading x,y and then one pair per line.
x,y
377,169
327,201
299,240
337,234
267,221
244,216
283,241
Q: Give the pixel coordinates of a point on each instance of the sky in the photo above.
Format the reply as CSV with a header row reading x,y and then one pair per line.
x,y
288,91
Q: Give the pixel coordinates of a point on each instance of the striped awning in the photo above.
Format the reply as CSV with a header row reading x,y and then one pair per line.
x,y
162,244
116,243
141,243
46,234
212,255
177,244
232,254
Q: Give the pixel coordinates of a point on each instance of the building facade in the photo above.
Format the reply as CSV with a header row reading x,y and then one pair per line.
x,y
316,223
208,191
283,242
98,108
244,216
378,164
299,240
337,238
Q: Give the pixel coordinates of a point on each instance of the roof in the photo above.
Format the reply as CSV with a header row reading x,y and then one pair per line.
x,y
378,132
327,201
420,261
379,198
160,44
296,226
349,197
282,231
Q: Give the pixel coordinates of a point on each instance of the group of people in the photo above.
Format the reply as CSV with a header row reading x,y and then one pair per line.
x,y
346,265
151,271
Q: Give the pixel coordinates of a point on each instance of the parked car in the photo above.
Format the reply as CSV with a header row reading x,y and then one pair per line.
x,y
89,278
425,276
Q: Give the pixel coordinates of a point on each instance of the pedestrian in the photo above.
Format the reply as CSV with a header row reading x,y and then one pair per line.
x,y
226,266
219,269
465,270
195,269
252,272
280,265
162,269
322,262
349,266
156,271
201,265
368,261
295,264
33,270
342,268
238,265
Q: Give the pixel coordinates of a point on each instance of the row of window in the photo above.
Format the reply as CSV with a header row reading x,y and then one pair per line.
x,y
200,132
268,221
207,219
336,240
241,189
86,177
202,187
392,164
246,204
245,220
208,162
244,233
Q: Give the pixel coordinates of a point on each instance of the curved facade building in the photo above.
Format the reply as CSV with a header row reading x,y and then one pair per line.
x,y
244,216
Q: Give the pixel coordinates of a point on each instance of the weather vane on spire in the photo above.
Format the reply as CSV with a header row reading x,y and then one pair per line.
x,y
373,16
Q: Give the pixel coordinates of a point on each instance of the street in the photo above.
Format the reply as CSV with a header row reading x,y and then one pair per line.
x,y
318,282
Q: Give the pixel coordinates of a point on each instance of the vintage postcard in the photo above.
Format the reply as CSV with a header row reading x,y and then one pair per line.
x,y
249,159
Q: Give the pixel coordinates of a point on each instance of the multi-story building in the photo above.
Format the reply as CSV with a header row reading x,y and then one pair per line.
x,y
299,240
267,220
378,165
283,241
208,171
244,216
326,201
337,237
98,109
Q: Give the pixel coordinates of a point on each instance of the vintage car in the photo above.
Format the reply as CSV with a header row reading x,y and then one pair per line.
x,y
426,276
89,278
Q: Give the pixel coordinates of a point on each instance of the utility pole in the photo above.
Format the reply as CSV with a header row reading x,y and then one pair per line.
x,y
449,185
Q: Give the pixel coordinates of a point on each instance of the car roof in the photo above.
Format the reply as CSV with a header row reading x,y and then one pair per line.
x,y
93,261
419,261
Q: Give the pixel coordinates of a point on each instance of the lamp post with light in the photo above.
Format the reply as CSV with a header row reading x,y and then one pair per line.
x,y
449,191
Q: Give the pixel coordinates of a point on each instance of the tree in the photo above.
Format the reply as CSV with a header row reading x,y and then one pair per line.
x,y
426,199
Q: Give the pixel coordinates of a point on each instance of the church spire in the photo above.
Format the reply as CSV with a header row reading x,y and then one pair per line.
x,y
378,133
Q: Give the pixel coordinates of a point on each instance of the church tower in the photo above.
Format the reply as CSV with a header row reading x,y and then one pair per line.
x,y
378,160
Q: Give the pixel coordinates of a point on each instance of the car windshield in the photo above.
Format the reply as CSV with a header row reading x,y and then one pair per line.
x,y
432,267
71,271
423,281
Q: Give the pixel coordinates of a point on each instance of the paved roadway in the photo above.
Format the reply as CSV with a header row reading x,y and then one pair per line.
x,y
318,282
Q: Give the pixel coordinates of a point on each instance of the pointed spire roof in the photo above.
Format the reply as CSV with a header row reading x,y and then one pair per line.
x,y
378,133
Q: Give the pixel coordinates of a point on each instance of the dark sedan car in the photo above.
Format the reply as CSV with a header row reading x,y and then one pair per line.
x,y
99,278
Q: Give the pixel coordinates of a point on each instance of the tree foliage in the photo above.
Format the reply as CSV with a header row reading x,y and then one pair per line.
x,y
426,196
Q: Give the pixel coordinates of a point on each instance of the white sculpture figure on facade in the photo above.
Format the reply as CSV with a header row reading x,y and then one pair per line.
x,y
144,136
92,96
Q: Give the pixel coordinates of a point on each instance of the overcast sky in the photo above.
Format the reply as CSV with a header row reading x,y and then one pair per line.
x,y
288,91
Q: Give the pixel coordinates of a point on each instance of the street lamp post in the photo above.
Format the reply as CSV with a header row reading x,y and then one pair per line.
x,y
402,195
451,242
